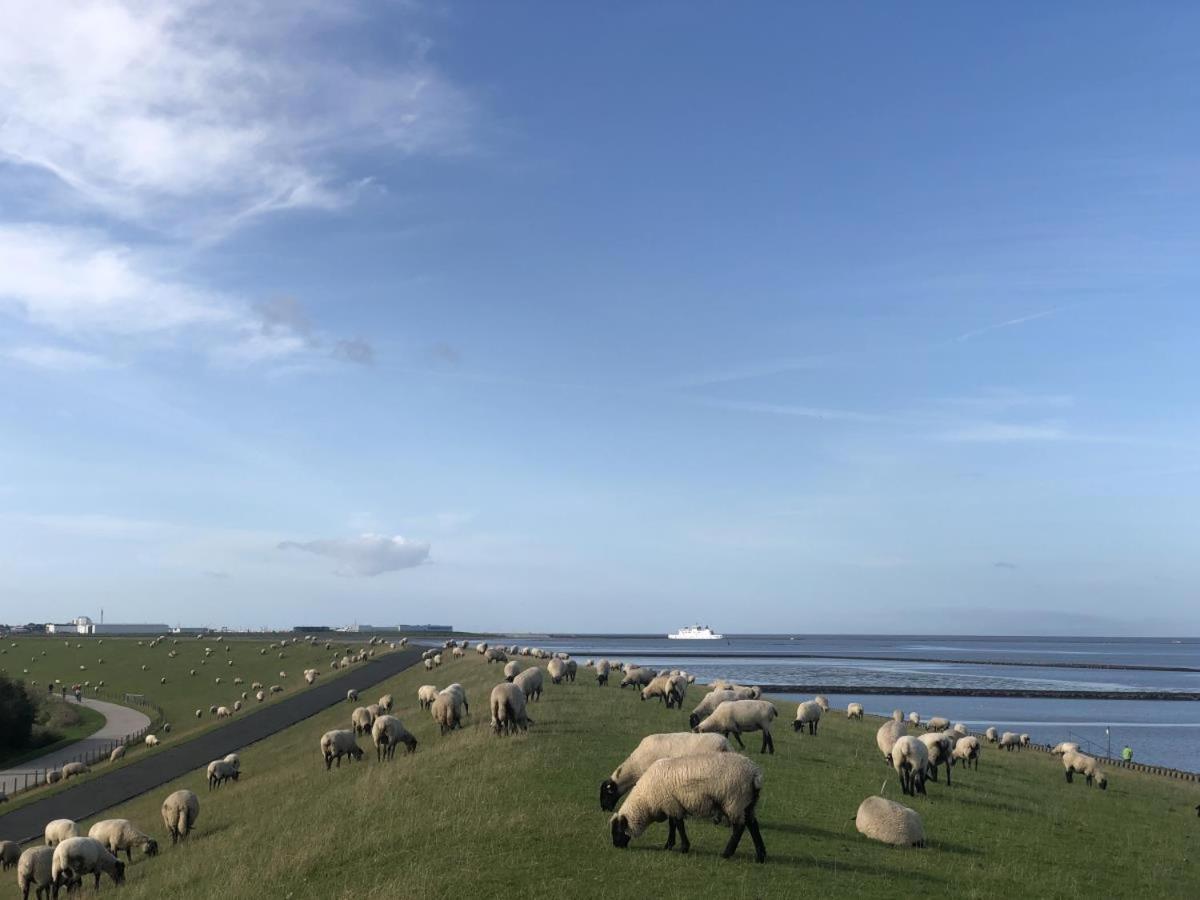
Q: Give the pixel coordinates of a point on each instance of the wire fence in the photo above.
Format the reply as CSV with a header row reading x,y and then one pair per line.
x,y
96,751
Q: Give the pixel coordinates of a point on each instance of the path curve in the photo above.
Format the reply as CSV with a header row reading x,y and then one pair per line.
x,y
119,722
172,761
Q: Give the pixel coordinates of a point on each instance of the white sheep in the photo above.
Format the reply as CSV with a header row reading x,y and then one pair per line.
x,y
1060,749
854,710
59,830
338,743
1024,739
530,683
557,670
72,769
220,771
426,694
991,734
652,748
79,856
462,694
388,731
807,713
1010,741
386,702
887,735
260,696
914,719
965,750
637,676
234,760
507,704
910,759
512,669
223,712
708,703
939,747
121,834
937,723
738,716
658,688
602,670
708,786
179,812
891,823
448,710
352,695
1076,762
35,870
10,854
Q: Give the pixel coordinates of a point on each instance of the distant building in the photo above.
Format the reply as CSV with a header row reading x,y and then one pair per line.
x,y
424,627
84,625
303,628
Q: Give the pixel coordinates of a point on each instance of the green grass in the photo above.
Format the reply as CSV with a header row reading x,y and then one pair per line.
x,y
472,814
56,658
65,724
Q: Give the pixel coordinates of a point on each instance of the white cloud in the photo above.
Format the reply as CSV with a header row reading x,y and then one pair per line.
x,y
368,554
57,359
186,117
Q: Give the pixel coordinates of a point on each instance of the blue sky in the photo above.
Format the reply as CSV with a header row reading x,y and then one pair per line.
x,y
546,316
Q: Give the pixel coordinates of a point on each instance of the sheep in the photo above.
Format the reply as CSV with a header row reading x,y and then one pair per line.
x,y
437,659
914,719
602,670
937,723
53,776
677,690
658,688
891,823
260,696
557,669
710,785
352,695
990,734
276,689
117,753
897,715
735,716
447,710
511,670
386,702
652,748
966,750
507,704
1024,740
457,653
121,834
428,665
1074,761
708,703
1010,741
807,713
638,677
910,759
887,735
426,694
34,870
938,747
495,654
572,669
223,712
79,856
72,769
237,706
10,854
854,710
338,743
234,760
530,683
180,811
361,720
220,771
1060,749
462,695
386,733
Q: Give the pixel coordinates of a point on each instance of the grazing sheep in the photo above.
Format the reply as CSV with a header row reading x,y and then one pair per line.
x,y
530,683
708,703
737,716
1010,741
709,786
854,710
276,689
1024,739
35,870
887,735
428,665
910,759
447,710
511,670
223,712
117,753
1060,749
53,776
180,811
652,748
338,743
1076,762
966,750
507,704
10,854
807,713
937,723
237,706
437,659
234,760
897,715
462,695
677,690
990,734
151,740
386,703
658,688
495,654
891,823
914,719
938,747
79,856
121,834
557,670
220,771
602,670
260,696
361,720
426,694
72,769
572,669
637,676
387,732
352,695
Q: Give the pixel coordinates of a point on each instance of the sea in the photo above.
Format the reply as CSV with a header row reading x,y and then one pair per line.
x,y
1160,732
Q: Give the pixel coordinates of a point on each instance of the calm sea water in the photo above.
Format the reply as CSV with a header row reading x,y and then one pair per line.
x,y
1160,732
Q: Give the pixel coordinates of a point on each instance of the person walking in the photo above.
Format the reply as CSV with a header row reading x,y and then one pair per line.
x,y
1127,754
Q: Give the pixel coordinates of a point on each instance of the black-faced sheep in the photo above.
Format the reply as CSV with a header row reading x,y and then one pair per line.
x,y
121,834
910,759
738,716
220,771
807,713
338,743
387,732
652,748
887,735
79,856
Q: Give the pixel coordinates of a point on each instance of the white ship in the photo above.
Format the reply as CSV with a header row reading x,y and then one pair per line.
x,y
695,633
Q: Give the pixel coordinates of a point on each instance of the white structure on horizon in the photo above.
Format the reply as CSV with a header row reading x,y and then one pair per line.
x,y
84,625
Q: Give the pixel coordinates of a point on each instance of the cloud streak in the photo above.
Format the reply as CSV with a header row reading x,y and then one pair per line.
x,y
367,555
1010,323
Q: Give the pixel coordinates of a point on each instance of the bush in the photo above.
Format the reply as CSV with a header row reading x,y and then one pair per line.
x,y
17,713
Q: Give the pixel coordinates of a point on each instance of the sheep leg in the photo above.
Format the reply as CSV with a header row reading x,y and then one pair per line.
x,y
947,773
684,844
1069,776
670,834
735,838
768,745
760,849
737,737
933,772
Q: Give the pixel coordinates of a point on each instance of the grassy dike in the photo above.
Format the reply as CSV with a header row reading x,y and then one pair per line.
x,y
475,814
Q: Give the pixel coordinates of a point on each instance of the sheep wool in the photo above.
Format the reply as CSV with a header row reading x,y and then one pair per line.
x,y
854,710
386,733
557,669
507,705
966,751
891,823
447,711
121,834
34,870
10,854
710,786
910,759
79,856
887,735
426,694
179,812
72,769
511,670
807,713
1075,762
338,743
652,748
937,723
59,830
220,771
738,716
708,703
990,734
530,682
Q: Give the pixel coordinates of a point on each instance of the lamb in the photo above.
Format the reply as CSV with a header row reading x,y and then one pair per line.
x,y
1061,749
891,823
1074,761
1010,741
79,856
338,743
72,769
854,710
710,785
807,713
602,670
59,830
937,723
447,710
180,811
511,670
887,735
736,716
530,682
387,732
220,771
708,703
966,750
10,854
426,694
652,748
910,759
507,703
121,834
557,670
990,734
938,747
637,676
34,870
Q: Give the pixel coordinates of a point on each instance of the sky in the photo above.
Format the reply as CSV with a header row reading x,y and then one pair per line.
x,y
801,317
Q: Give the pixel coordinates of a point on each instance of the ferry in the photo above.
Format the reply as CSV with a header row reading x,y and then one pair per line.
x,y
695,633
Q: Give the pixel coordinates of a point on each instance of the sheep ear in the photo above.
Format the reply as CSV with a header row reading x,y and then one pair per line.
x,y
616,774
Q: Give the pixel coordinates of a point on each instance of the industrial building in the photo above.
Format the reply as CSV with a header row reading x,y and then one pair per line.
x,y
84,625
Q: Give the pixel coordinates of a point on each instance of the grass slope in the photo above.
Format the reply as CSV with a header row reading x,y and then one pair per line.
x,y
65,723
472,814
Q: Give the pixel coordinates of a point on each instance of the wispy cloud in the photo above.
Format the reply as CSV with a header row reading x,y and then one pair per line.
x,y
811,412
367,555
1004,432
55,359
1010,323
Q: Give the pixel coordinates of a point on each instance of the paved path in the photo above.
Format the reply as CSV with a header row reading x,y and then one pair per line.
x,y
174,760
119,722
